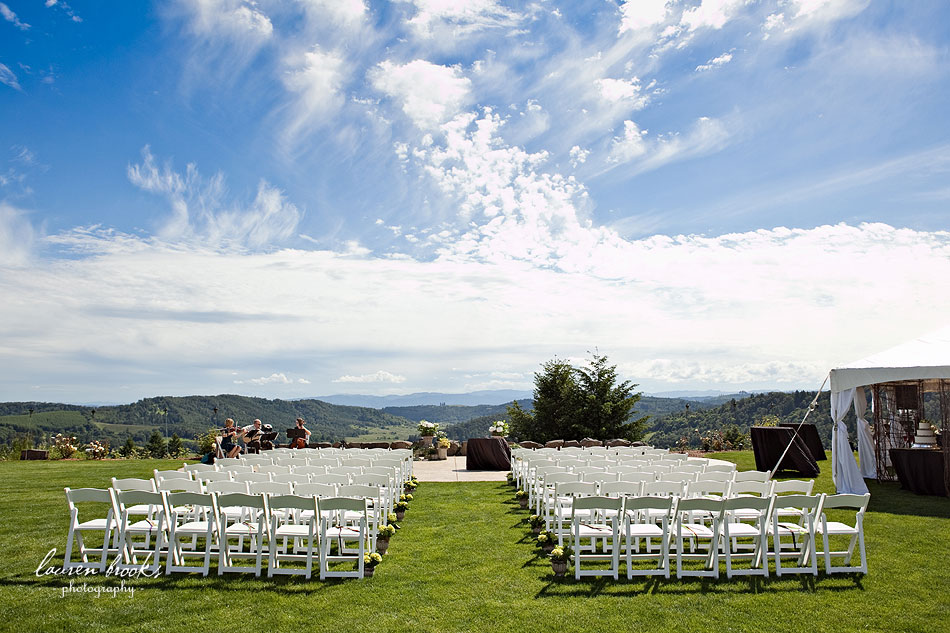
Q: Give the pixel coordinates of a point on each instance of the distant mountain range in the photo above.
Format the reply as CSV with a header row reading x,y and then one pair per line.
x,y
470,399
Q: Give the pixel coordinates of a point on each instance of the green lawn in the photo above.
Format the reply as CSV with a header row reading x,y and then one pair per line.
x,y
463,561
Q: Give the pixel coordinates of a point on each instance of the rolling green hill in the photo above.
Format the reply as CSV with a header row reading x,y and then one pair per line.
x,y
191,415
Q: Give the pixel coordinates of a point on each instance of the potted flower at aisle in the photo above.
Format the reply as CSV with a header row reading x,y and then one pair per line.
x,y
443,447
427,430
536,521
546,541
411,485
370,560
560,556
499,429
400,508
383,534
522,498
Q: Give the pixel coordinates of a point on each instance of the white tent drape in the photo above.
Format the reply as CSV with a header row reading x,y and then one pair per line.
x,y
865,439
844,468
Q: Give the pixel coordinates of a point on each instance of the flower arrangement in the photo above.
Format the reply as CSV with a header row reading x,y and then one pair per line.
x,y
371,559
411,485
385,532
536,521
391,517
97,449
444,442
400,506
65,445
406,497
547,540
561,554
427,428
499,428
521,494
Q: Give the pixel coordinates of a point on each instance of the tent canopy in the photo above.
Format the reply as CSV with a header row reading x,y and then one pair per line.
x,y
921,359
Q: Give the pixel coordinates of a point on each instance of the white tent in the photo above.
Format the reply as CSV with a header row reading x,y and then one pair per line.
x,y
927,357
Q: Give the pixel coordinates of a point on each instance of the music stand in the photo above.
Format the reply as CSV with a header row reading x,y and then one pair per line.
x,y
269,437
293,434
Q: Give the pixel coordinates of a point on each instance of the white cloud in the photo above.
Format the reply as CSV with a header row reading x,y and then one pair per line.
x,y
428,93
578,155
706,136
626,90
315,79
346,12
715,62
8,78
643,14
7,14
200,211
237,19
379,376
780,303
629,145
712,14
806,14
16,236
459,18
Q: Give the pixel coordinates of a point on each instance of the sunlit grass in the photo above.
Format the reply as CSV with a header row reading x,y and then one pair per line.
x,y
464,561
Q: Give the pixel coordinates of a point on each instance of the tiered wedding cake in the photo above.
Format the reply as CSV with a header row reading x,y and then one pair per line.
x,y
925,435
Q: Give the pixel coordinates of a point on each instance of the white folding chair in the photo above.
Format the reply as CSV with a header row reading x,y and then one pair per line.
x,y
853,532
698,520
746,518
297,531
640,524
751,475
126,504
253,528
100,501
183,508
131,483
795,539
596,518
337,527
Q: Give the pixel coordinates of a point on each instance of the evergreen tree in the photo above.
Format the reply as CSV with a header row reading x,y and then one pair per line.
x,y
605,406
156,445
128,450
175,446
571,403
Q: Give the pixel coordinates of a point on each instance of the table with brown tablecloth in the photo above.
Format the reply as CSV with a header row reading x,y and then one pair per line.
x,y
919,470
809,433
487,453
768,444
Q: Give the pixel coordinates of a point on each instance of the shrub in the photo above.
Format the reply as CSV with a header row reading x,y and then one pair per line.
x,y
64,446
156,445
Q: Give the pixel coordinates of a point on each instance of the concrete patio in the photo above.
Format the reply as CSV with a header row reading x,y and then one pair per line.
x,y
453,469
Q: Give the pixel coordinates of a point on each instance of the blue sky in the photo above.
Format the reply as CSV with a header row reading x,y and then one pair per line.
x,y
289,199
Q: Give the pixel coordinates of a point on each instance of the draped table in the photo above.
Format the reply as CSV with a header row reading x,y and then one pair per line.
x,y
768,443
919,470
487,453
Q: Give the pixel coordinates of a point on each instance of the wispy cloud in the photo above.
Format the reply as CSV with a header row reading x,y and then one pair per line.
x,y
376,377
201,211
8,78
274,379
7,14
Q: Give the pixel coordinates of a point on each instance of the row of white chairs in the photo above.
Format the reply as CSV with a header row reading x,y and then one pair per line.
x,y
543,477
141,527
557,494
328,458
734,530
261,483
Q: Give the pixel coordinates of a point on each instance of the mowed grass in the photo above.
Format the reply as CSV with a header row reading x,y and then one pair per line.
x,y
464,561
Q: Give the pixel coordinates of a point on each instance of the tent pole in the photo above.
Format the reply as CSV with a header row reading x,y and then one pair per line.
x,y
811,407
